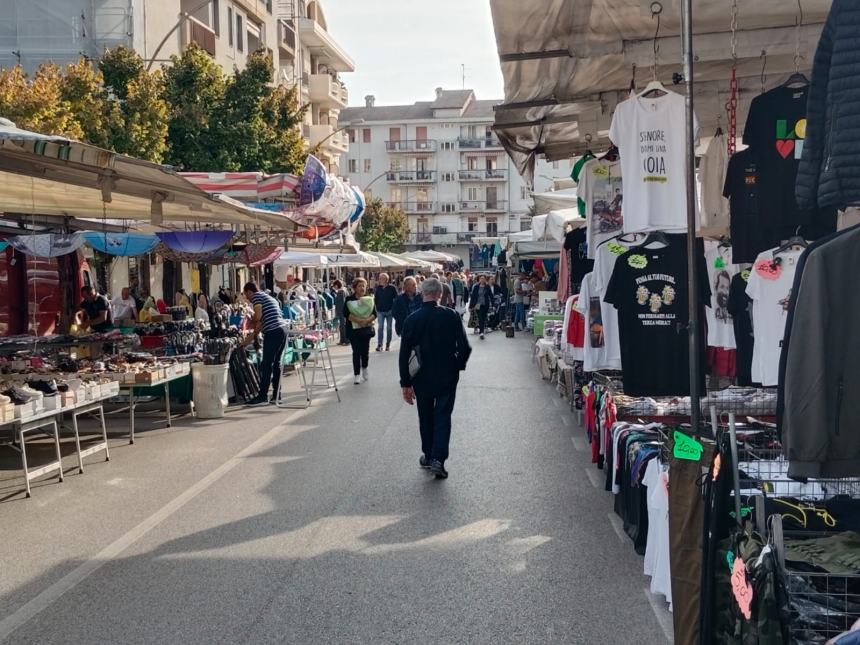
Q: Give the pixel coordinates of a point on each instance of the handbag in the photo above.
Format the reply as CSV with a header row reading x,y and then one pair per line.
x,y
414,362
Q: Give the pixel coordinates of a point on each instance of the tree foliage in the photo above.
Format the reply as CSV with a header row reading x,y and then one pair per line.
x,y
383,228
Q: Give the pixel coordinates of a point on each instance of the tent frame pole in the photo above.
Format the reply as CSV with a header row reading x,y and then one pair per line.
x,y
692,264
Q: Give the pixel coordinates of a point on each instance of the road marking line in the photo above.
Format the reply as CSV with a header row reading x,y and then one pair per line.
x,y
53,593
658,606
579,443
595,477
618,525
564,420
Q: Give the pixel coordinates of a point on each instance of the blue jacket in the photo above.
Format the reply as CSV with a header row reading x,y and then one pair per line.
x,y
440,334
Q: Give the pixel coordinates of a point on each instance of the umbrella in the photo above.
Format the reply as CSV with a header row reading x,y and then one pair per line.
x,y
124,244
47,245
195,241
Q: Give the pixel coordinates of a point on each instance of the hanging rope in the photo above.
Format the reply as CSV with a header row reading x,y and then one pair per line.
x,y
656,10
732,105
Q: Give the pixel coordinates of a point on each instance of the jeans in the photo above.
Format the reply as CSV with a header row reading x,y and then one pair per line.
x,y
360,351
520,315
434,422
343,322
270,366
482,317
385,319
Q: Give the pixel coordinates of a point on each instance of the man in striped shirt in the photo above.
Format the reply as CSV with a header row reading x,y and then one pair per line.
x,y
268,319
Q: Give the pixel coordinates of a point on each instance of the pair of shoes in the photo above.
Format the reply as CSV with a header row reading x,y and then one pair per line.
x,y
47,388
379,348
274,399
356,379
21,394
364,375
260,399
388,347
482,336
437,468
424,462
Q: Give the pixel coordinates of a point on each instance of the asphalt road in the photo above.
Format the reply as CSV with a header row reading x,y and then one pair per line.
x,y
317,526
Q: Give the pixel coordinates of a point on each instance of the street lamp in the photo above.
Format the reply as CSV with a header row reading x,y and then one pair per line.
x,y
349,124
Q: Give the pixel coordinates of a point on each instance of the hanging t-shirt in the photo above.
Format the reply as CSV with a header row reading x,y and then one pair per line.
x,y
600,188
721,331
742,190
714,214
740,308
602,348
573,329
604,263
651,139
769,287
574,174
649,289
657,547
580,264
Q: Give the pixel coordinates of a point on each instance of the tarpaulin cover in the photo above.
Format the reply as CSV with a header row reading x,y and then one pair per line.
x,y
313,181
251,254
124,244
47,245
546,202
195,241
557,222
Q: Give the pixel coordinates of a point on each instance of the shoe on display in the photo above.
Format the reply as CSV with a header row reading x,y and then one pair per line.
x,y
5,400
357,379
438,469
424,462
28,393
260,399
364,375
47,388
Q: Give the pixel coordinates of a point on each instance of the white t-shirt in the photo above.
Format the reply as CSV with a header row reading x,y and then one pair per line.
x,y
721,330
576,353
714,214
770,295
651,139
657,548
602,346
527,288
600,189
123,309
605,256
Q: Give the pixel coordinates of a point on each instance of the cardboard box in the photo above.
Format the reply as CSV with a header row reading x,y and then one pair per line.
x,y
7,412
52,402
25,410
69,399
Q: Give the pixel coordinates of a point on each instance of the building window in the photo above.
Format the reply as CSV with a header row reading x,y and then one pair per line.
x,y
367,165
525,224
395,164
365,135
230,26
472,163
396,195
216,17
472,224
353,165
473,194
351,134
240,38
524,192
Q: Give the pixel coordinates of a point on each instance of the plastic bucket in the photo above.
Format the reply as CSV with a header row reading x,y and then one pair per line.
x,y
210,390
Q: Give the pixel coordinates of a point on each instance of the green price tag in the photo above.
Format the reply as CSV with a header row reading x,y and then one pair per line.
x,y
720,263
730,558
745,275
637,261
687,447
616,248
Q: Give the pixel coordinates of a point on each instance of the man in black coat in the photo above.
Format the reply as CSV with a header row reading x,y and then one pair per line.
x,y
405,304
439,335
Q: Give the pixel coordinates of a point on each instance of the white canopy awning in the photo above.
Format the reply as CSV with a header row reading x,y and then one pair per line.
x,y
546,250
433,256
360,260
44,175
546,202
300,259
567,63
557,223
391,261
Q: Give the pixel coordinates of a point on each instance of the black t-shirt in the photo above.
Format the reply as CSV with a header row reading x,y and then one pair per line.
x,y
742,191
776,130
384,297
740,307
580,265
94,308
649,289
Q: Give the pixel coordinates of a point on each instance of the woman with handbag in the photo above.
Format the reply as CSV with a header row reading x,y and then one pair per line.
x,y
360,311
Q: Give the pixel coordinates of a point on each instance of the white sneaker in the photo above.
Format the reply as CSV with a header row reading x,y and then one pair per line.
x,y
364,376
357,379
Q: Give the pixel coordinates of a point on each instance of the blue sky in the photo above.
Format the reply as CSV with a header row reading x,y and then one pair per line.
x,y
403,49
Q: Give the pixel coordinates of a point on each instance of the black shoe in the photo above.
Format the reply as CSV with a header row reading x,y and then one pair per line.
x,y
48,388
260,399
388,348
274,400
438,469
424,462
379,348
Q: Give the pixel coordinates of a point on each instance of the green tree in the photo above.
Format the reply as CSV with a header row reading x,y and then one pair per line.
x,y
37,104
383,228
82,87
194,87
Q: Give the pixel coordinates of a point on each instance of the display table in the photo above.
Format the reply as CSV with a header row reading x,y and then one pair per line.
x,y
540,319
48,422
134,391
547,357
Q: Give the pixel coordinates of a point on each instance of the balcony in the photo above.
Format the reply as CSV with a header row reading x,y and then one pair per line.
x,y
487,174
410,176
411,145
426,237
482,143
200,34
287,37
413,208
324,133
483,206
328,92
314,36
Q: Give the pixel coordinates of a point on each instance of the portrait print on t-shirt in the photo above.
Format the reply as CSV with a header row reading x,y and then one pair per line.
x,y
595,322
600,188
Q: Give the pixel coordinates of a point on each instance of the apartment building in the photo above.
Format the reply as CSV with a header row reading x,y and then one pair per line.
x,y
294,32
440,162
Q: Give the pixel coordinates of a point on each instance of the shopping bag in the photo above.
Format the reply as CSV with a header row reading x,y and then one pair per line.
x,y
473,319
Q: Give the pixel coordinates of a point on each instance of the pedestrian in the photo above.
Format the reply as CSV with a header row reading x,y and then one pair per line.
x,y
406,304
447,293
442,349
459,289
383,296
522,300
479,300
124,307
267,319
361,313
340,296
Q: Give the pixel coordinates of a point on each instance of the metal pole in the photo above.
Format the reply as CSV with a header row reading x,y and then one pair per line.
x,y
692,266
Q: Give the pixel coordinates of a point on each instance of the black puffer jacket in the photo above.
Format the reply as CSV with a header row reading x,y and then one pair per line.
x,y
829,173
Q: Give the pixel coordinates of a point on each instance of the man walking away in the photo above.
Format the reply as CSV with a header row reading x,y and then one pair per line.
x,y
269,320
405,304
383,297
459,289
480,299
440,339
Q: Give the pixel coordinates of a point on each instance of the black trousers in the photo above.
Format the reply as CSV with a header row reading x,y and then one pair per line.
x,y
482,318
270,368
360,351
434,422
